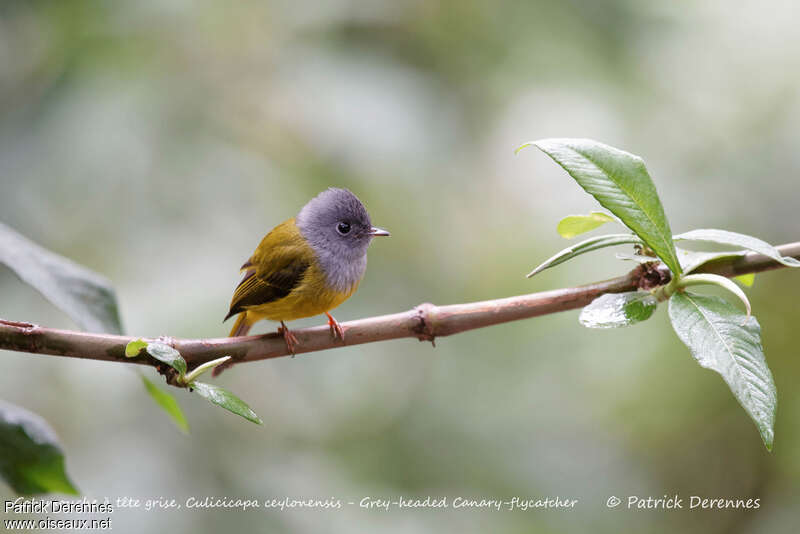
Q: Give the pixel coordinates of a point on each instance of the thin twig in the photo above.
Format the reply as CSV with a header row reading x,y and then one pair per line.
x,y
425,322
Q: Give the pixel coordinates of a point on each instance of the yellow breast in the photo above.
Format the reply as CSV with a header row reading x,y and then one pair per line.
x,y
310,297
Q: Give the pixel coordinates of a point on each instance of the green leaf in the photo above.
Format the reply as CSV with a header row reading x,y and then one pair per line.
x,y
133,348
85,296
724,237
724,340
31,460
691,260
200,369
614,310
746,280
168,355
593,243
717,280
574,225
224,398
167,403
620,182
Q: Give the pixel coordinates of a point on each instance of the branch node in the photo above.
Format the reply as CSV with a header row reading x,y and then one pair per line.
x,y
170,375
425,329
651,275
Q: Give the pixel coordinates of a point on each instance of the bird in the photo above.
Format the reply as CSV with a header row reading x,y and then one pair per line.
x,y
305,266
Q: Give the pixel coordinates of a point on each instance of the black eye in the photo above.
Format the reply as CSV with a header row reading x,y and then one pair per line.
x,y
343,228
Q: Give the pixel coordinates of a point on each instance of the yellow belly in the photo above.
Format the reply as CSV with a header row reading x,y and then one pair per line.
x,y
310,297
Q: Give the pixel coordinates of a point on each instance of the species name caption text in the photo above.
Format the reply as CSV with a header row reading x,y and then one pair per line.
x,y
23,505
59,514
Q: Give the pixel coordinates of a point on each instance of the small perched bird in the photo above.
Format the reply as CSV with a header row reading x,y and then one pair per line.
x,y
306,266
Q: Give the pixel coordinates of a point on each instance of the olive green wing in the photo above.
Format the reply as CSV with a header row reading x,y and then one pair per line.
x,y
255,289
277,266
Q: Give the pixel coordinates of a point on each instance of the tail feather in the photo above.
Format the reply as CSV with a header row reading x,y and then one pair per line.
x,y
240,328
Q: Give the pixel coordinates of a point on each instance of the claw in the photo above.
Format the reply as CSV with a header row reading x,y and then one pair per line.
x,y
336,328
288,337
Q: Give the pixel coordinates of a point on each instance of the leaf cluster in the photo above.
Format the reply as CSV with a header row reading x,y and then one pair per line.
x,y
718,335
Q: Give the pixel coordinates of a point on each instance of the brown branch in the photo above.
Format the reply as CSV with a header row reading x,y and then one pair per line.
x,y
425,322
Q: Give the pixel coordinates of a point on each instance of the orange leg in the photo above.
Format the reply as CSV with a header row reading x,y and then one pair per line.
x,y
288,337
336,328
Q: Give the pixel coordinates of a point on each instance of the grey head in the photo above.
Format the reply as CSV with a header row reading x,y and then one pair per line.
x,y
337,226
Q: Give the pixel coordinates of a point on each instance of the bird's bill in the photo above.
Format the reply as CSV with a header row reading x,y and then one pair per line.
x,y
374,231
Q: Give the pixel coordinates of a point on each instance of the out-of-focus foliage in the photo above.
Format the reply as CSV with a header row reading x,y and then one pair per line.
x,y
156,142
31,459
167,403
86,297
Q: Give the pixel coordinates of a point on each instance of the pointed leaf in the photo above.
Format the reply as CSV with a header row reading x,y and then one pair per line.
x,y
224,398
31,460
167,403
614,310
724,340
170,356
620,182
593,243
85,296
724,237
746,280
574,225
200,369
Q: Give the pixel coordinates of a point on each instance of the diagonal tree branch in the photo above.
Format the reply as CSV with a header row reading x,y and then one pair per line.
x,y
425,322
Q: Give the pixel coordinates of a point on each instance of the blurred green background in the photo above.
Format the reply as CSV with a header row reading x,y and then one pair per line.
x,y
156,142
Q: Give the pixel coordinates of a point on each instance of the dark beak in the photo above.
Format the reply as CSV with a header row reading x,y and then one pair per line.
x,y
374,232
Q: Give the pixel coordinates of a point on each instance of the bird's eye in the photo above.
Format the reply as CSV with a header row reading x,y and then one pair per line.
x,y
343,228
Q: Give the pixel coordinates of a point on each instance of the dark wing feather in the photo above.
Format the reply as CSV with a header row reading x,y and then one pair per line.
x,y
254,289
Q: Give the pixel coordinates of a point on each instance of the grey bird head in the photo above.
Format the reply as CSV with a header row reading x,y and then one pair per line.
x,y
337,226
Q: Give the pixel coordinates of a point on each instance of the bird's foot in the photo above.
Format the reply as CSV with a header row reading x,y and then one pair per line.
x,y
336,328
288,337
